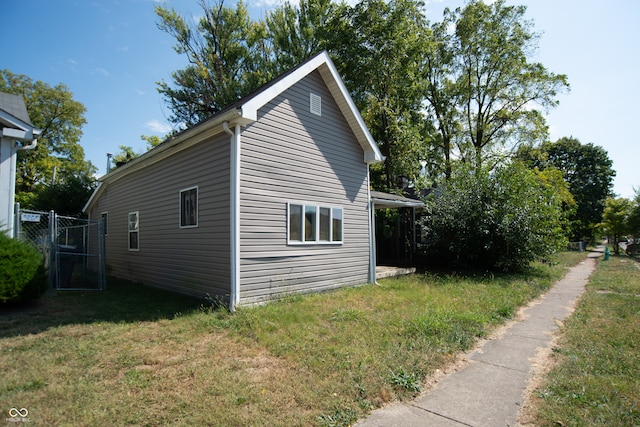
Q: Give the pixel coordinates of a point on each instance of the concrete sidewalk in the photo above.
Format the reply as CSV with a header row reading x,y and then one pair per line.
x,y
488,390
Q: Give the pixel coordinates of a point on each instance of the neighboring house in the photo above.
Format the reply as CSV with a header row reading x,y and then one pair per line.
x,y
16,133
266,198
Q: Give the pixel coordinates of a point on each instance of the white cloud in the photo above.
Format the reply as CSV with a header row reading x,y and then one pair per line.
x,y
157,126
102,71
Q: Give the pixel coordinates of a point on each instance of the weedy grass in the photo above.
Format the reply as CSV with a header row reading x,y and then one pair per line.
x,y
596,377
141,356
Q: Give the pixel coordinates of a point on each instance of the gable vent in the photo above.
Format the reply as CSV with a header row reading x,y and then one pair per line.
x,y
316,104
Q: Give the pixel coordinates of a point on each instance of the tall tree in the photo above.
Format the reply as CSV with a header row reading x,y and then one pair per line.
x,y
498,89
225,51
615,220
379,46
297,32
58,157
440,91
588,172
634,216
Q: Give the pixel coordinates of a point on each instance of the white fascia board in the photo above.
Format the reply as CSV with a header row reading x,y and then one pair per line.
x,y
327,68
372,152
20,135
184,139
11,122
94,196
250,107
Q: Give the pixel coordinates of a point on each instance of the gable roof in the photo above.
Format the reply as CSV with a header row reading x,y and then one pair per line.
x,y
13,105
245,111
14,119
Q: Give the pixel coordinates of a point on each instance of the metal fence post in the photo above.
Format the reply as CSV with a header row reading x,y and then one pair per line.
x,y
16,222
52,250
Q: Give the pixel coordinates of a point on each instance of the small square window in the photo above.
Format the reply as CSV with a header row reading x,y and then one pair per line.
x,y
189,207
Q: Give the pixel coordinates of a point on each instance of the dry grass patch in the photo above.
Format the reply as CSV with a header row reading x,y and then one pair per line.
x,y
139,356
595,375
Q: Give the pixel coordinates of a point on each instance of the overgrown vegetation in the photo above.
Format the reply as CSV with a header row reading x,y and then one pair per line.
x,y
22,273
595,381
503,219
132,355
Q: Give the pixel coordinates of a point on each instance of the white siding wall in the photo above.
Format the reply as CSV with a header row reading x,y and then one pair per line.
x,y
292,155
189,260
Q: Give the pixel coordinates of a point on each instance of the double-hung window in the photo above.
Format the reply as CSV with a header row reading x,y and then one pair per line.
x,y
311,224
134,231
189,207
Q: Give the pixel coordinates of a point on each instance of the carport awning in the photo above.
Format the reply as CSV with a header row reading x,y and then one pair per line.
x,y
385,200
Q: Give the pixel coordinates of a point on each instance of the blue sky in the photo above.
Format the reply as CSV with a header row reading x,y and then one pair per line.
x,y
110,54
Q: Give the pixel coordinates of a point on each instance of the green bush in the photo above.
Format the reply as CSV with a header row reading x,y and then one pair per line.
x,y
22,273
503,219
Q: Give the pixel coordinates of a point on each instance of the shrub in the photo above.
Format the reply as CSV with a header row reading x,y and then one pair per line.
x,y
503,219
22,273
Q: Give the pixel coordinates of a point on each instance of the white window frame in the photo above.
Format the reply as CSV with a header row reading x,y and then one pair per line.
x,y
317,208
182,211
133,228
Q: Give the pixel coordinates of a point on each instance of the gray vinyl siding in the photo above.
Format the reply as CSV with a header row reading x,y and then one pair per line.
x,y
195,260
293,155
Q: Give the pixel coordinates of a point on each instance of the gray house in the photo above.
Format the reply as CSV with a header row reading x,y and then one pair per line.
x,y
266,198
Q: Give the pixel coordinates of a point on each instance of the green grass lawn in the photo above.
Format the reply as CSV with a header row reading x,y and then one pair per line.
x,y
140,356
596,377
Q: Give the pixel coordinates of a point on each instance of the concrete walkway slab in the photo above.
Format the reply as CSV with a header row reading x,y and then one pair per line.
x,y
489,389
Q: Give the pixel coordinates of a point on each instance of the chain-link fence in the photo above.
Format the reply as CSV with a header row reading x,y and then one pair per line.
x,y
72,248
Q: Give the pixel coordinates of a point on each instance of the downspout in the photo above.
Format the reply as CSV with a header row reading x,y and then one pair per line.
x,y
12,176
29,146
234,212
372,234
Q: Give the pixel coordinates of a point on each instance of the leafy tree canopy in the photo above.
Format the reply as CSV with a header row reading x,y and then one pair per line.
x,y
58,158
429,95
224,51
588,172
615,219
498,90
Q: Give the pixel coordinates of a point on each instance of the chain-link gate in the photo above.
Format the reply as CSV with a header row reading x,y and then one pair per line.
x,y
72,248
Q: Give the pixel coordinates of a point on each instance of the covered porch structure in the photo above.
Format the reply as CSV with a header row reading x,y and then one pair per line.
x,y
394,232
